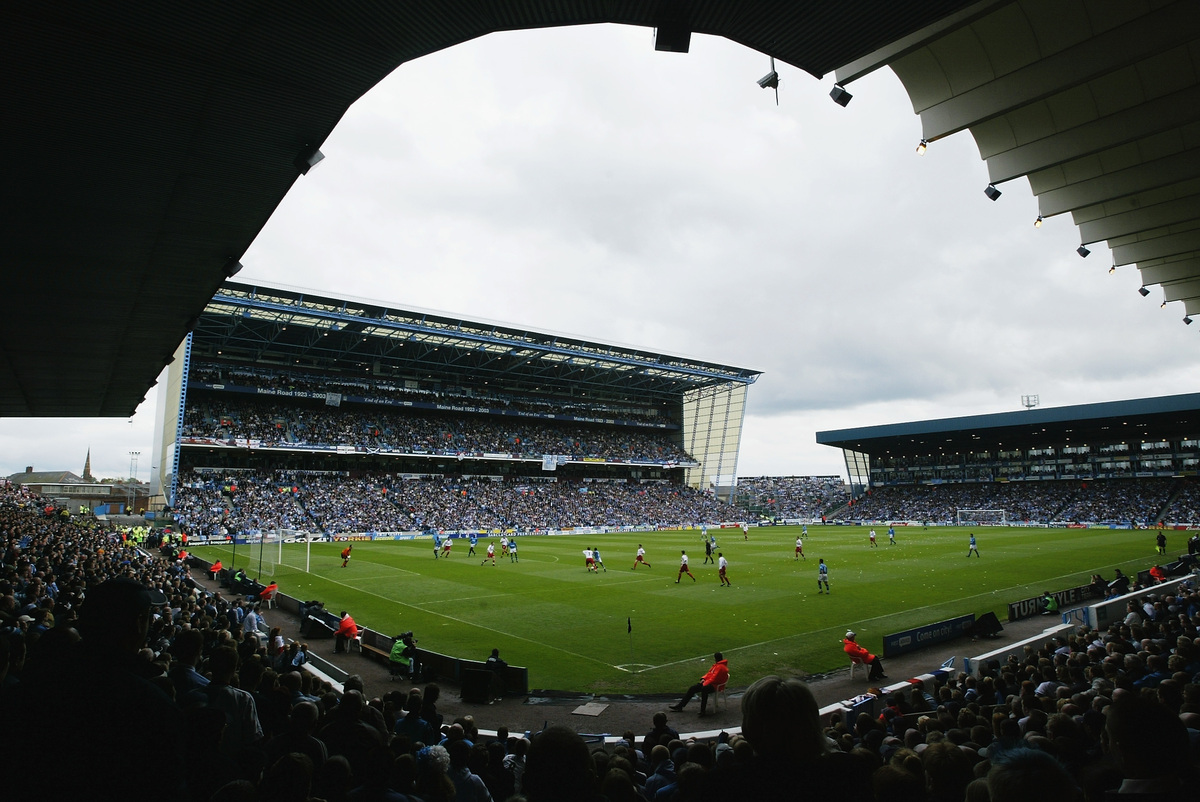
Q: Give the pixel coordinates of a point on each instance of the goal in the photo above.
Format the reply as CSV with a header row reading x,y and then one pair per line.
x,y
981,517
262,553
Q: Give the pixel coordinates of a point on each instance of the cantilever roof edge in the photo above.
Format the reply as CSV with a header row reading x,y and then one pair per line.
x,y
324,304
1033,417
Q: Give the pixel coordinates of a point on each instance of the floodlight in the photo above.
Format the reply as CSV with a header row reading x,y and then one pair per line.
x,y
771,81
232,267
992,192
1187,321
307,159
1143,291
1082,251
1038,223
1112,270
840,95
672,36
921,148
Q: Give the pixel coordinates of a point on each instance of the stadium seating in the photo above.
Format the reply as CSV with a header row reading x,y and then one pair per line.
x,y
719,695
855,664
210,505
271,423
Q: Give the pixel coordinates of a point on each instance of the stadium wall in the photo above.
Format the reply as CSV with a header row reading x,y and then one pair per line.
x,y
712,434
166,427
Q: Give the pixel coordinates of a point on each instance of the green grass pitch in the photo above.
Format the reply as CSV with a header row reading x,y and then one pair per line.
x,y
570,626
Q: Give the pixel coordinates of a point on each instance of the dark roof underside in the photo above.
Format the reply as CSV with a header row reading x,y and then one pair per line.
x,y
289,329
148,143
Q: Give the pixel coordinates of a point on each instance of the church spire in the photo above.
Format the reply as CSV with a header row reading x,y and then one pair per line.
x,y
87,467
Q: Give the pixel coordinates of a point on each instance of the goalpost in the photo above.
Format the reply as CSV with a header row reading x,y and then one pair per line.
x,y
271,552
267,552
981,517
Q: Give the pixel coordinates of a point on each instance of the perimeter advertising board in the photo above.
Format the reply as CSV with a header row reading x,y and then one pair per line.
x,y
1027,608
914,639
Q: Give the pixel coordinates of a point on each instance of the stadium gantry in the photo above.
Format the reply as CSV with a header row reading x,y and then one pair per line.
x,y
266,369
155,143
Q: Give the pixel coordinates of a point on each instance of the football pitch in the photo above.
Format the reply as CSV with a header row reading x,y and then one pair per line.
x,y
637,631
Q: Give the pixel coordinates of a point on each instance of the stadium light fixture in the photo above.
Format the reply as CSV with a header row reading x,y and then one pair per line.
x,y
992,192
307,159
922,147
1112,270
1143,291
673,36
1082,251
1163,305
1038,223
771,81
1187,321
840,95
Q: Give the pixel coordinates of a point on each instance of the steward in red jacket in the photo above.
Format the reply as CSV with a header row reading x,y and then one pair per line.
x,y
716,678
850,646
346,631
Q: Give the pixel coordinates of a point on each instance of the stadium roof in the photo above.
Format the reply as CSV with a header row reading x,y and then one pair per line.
x,y
1141,420
257,325
151,142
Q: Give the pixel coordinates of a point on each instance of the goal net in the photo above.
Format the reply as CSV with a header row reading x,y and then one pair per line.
x,y
981,517
265,551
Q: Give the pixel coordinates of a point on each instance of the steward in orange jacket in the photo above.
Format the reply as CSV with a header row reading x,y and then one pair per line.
x,y
716,678
850,646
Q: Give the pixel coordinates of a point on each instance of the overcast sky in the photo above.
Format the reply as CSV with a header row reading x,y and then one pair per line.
x,y
577,181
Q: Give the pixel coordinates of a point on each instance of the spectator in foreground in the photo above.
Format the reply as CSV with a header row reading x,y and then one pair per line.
x,y
1150,744
91,703
656,736
559,767
1026,774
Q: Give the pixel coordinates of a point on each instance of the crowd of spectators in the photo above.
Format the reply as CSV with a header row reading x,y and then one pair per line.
x,y
386,391
786,497
323,502
219,504
274,423
120,677
1088,711
1185,505
1141,501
